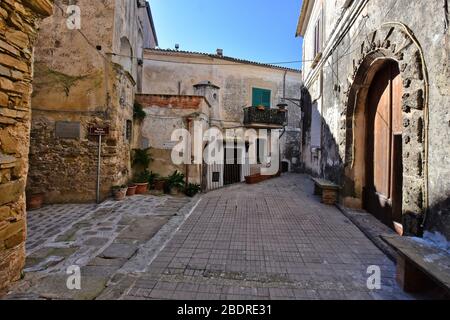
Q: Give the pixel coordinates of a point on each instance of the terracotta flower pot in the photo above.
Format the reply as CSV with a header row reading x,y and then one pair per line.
x,y
131,190
159,185
35,202
141,188
120,194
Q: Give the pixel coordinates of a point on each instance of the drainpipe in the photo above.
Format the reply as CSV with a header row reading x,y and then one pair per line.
x,y
189,126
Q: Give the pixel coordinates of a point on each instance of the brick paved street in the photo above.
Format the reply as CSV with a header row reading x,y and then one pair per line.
x,y
268,241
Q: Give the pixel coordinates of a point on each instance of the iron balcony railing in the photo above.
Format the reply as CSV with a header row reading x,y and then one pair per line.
x,y
267,116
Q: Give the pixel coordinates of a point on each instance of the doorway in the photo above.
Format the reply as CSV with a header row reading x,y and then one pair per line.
x,y
232,167
383,190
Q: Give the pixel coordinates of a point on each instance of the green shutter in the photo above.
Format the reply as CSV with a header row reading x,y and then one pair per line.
x,y
266,98
255,98
261,97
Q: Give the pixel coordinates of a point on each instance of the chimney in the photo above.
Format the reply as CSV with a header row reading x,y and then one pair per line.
x,y
220,52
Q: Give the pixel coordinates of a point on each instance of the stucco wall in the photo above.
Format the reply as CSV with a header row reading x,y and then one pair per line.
x,y
182,71
166,113
425,20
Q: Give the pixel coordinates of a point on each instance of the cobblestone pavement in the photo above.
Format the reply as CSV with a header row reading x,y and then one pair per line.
x,y
274,240
101,239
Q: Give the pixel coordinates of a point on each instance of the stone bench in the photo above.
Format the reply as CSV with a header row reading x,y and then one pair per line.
x,y
420,266
328,190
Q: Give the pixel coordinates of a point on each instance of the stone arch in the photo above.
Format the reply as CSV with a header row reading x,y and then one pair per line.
x,y
391,42
126,54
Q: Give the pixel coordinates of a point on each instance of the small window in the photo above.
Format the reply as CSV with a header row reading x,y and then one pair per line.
x,y
318,36
316,126
261,97
129,130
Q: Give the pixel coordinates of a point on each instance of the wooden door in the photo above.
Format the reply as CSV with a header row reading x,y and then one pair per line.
x,y
384,169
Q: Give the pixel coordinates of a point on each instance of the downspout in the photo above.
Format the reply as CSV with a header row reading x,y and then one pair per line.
x,y
189,126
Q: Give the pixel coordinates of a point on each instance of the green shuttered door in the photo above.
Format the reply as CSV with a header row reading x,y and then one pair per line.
x,y
261,97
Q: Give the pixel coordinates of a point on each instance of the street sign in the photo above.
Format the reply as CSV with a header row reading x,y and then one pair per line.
x,y
99,131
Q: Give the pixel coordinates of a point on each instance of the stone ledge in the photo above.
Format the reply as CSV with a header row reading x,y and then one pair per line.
x,y
372,228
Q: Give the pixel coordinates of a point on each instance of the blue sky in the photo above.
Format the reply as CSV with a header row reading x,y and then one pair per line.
x,y
259,30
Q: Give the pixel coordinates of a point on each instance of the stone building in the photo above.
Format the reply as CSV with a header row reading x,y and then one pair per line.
x,y
86,78
376,100
19,21
182,87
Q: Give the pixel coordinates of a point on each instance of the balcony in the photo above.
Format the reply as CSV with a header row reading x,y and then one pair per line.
x,y
256,117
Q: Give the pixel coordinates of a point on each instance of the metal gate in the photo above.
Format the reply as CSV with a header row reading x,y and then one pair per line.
x,y
232,170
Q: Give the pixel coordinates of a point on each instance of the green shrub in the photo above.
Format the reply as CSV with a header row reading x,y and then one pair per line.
x,y
138,112
146,177
141,157
175,180
192,189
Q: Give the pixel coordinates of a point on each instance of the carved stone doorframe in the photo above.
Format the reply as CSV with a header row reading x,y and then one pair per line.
x,y
395,42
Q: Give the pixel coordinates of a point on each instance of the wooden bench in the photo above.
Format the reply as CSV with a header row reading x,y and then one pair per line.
x,y
420,266
328,190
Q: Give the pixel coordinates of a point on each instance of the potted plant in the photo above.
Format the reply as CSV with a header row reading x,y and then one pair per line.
x,y
131,189
141,182
152,178
35,201
174,181
119,192
261,107
192,189
159,184
282,107
141,158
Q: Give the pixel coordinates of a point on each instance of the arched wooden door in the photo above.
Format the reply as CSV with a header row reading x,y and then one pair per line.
x,y
384,168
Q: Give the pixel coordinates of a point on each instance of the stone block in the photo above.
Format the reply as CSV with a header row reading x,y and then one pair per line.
x,y
12,229
11,192
410,278
117,251
4,99
18,38
7,60
15,240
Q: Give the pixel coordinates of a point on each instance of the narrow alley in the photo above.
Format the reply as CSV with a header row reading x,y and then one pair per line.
x,y
274,240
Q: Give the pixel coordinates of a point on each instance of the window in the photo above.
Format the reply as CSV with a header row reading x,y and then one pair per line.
x,y
129,130
318,36
316,126
261,97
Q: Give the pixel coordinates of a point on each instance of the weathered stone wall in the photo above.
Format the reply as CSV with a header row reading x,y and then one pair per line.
x,y
417,39
65,169
82,78
18,29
